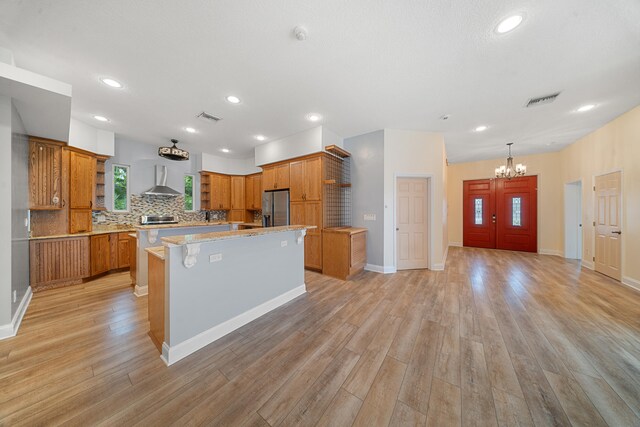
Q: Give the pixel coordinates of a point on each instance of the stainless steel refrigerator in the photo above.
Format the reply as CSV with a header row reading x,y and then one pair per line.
x,y
275,208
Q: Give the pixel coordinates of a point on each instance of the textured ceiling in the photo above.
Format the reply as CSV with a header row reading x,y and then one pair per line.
x,y
366,65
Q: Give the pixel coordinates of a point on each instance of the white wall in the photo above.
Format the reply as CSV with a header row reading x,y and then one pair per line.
x,y
297,145
211,163
5,212
413,153
86,137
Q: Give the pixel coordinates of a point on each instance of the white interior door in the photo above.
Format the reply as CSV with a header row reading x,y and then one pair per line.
x,y
412,223
608,232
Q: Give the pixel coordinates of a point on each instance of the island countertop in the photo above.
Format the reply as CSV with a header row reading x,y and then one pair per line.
x,y
224,235
186,224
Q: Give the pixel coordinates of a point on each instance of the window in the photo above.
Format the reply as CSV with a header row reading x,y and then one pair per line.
x,y
120,188
188,192
515,212
478,210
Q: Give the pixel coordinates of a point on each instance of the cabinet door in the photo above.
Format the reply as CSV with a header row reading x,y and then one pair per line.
x,y
123,253
249,200
296,178
257,192
269,178
113,251
82,173
237,192
100,254
216,191
45,176
225,191
282,176
313,251
236,215
296,213
80,221
58,260
313,216
313,179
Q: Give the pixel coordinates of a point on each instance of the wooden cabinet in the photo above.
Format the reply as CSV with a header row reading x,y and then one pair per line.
x,y
156,283
80,221
219,191
100,254
123,250
205,191
58,261
348,254
133,258
306,179
253,192
236,215
82,172
309,213
45,175
225,192
275,177
237,192
99,203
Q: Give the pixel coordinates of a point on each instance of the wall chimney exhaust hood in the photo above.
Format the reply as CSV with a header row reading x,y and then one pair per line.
x,y
161,189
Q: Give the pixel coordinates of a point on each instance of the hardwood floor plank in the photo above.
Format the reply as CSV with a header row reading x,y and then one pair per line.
x,y
444,405
575,402
511,410
342,410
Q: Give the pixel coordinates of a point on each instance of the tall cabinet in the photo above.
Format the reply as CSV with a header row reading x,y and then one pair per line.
x,y
82,177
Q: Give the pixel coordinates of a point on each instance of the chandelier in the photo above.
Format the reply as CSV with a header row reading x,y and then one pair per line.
x,y
509,171
173,153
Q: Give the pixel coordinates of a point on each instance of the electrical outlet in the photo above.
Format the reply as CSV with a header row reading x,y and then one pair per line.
x,y
15,296
369,217
215,257
283,243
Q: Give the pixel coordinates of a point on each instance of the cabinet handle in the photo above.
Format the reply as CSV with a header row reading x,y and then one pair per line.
x,y
64,203
91,203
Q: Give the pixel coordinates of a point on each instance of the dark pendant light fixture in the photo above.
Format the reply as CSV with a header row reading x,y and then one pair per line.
x,y
173,153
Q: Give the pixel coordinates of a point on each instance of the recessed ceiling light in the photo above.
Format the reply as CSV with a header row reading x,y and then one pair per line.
x,y
110,82
101,118
481,128
233,99
586,108
313,117
225,150
260,137
190,130
509,24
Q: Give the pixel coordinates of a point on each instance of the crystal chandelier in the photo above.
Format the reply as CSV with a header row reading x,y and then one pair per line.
x,y
509,171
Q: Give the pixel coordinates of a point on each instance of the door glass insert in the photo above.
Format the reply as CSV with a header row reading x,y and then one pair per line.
x,y
516,212
478,211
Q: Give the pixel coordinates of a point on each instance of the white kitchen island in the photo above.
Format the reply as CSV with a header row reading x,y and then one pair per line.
x,y
217,282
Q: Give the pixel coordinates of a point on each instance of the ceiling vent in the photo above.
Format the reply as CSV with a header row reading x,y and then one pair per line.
x,y
211,117
541,100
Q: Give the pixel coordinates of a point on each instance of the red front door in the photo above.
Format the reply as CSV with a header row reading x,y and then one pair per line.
x,y
501,213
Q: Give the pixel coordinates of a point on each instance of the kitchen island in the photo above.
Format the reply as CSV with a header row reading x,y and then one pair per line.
x,y
214,283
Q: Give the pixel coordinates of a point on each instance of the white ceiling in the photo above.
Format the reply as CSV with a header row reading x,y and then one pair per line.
x,y
366,65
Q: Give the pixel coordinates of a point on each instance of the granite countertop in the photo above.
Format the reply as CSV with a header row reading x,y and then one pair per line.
x,y
344,230
157,251
225,235
108,230
185,224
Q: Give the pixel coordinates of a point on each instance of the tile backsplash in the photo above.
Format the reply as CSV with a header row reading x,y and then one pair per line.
x,y
159,205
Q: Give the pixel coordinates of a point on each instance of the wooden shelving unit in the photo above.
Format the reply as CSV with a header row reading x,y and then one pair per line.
x,y
205,190
100,184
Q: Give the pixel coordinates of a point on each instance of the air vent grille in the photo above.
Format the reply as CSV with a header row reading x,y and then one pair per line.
x,y
205,115
541,100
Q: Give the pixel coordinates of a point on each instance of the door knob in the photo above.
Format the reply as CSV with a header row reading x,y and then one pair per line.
x,y
617,232
397,229
493,218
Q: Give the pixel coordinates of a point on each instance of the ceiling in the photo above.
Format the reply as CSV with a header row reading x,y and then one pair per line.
x,y
366,65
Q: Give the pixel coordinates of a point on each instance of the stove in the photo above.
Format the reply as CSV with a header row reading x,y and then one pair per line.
x,y
157,219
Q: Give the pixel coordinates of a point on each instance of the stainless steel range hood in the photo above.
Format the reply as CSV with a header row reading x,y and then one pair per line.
x,y
161,189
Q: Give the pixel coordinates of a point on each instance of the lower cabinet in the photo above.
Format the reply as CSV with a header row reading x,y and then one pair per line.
x,y
58,261
100,254
348,254
133,258
155,306
236,215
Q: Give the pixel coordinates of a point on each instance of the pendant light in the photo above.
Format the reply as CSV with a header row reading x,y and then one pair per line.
x,y
508,171
173,153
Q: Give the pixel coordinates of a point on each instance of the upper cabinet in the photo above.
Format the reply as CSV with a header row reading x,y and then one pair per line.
x,y
45,175
237,192
82,174
306,180
215,191
253,192
275,177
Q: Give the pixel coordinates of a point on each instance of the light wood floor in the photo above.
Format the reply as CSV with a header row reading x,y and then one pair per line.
x,y
499,338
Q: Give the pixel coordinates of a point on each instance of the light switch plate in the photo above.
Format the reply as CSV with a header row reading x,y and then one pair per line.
x,y
369,217
215,257
283,243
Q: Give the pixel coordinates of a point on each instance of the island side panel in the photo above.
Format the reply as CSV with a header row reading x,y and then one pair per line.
x,y
143,243
214,296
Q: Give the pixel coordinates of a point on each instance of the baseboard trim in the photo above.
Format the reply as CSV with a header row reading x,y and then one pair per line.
x,y
380,268
553,252
11,329
140,291
172,354
455,244
588,264
632,283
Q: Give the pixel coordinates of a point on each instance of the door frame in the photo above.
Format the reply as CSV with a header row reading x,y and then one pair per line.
x,y
567,236
430,209
593,227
